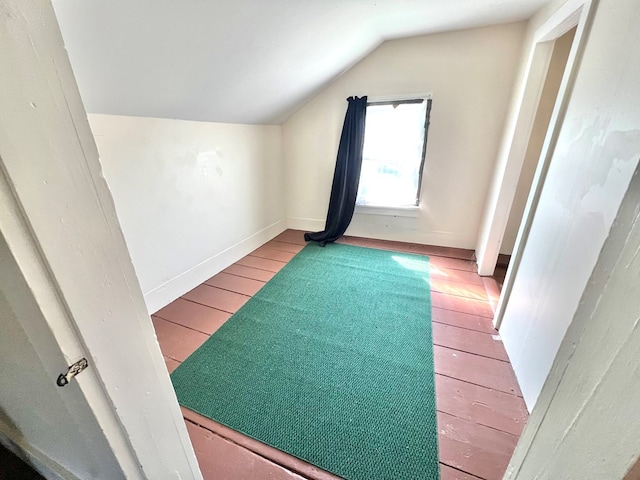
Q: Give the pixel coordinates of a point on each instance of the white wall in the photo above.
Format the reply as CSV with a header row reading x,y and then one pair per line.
x,y
548,98
192,197
586,423
52,426
595,156
470,74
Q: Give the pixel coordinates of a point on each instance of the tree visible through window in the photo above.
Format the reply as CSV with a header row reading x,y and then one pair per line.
x,y
395,142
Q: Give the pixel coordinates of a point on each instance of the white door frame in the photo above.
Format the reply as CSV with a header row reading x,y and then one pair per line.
x,y
574,13
59,221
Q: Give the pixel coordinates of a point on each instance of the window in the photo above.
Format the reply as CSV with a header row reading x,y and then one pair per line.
x,y
395,142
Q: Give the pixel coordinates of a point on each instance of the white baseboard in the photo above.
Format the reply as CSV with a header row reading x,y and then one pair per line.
x,y
391,229
41,463
306,224
436,239
178,286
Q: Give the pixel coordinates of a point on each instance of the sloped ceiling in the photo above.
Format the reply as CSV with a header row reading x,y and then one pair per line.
x,y
241,61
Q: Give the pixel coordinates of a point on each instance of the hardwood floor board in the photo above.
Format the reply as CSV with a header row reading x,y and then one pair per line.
x,y
503,261
217,298
236,284
475,449
454,275
453,263
292,236
481,405
450,252
285,247
463,320
450,473
469,341
461,304
272,254
249,272
501,271
177,342
466,290
221,459
193,315
483,371
295,464
499,276
493,289
171,363
261,263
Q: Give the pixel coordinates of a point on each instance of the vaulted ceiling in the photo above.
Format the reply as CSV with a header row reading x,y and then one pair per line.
x,y
241,61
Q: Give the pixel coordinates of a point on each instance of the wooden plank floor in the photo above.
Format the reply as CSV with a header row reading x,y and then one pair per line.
x,y
481,412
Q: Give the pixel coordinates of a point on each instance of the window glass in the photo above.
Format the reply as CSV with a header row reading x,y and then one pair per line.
x,y
392,158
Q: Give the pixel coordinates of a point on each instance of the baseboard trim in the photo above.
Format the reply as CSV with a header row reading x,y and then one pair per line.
x,y
395,233
41,463
306,224
178,286
406,235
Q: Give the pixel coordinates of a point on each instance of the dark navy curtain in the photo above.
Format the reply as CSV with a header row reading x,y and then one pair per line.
x,y
347,174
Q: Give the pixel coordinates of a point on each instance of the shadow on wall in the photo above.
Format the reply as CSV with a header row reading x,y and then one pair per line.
x,y
14,462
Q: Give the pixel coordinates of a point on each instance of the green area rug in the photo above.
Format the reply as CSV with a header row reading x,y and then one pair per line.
x,y
332,362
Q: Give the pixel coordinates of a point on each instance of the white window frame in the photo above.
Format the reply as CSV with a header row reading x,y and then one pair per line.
x,y
409,210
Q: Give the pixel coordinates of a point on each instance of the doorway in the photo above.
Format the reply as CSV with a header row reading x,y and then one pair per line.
x,y
559,50
531,132
560,53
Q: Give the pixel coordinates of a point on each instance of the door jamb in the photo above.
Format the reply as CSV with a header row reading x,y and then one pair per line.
x,y
574,13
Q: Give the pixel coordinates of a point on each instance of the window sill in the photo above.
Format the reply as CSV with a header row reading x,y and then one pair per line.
x,y
411,211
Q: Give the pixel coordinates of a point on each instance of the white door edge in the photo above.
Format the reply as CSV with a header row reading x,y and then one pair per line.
x,y
60,223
